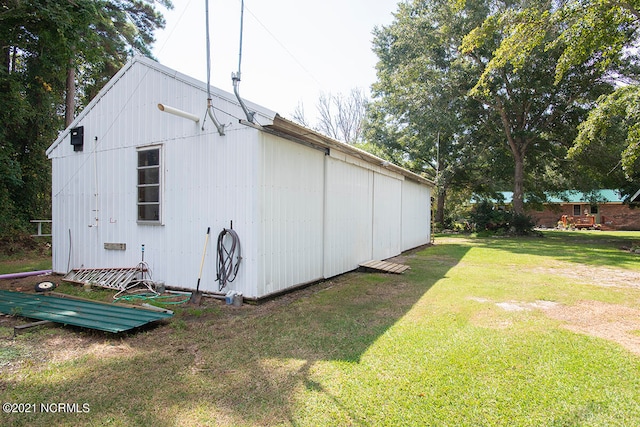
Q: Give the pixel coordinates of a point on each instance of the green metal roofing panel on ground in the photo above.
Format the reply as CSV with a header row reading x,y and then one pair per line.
x,y
77,312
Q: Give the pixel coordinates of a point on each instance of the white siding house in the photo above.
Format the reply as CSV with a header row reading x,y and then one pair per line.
x,y
305,207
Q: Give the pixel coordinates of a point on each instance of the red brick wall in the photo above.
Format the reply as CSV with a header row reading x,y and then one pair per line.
x,y
612,216
620,217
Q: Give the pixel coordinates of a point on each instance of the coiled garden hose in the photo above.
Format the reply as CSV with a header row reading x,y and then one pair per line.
x,y
229,257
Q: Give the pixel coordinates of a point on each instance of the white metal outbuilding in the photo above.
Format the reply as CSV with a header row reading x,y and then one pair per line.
x,y
305,207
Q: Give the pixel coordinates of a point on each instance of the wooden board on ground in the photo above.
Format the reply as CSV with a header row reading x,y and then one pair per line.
x,y
385,266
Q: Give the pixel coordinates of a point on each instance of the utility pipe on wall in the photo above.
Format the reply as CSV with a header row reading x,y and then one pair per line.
x,y
178,113
25,274
236,76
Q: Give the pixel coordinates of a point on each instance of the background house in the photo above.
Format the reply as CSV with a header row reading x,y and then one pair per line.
x,y
607,206
305,207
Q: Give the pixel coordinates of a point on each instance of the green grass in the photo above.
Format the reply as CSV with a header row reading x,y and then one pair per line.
x,y
33,257
430,347
23,264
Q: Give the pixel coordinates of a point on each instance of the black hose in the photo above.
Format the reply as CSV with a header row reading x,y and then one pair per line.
x,y
229,258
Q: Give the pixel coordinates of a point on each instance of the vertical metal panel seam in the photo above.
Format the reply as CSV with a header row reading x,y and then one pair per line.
x,y
324,217
402,188
373,212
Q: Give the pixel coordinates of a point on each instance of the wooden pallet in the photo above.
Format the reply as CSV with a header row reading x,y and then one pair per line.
x,y
385,266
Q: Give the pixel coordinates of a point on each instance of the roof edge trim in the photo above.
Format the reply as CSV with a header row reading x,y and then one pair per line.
x,y
287,127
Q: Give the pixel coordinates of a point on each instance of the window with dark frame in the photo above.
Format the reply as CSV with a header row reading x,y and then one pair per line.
x,y
576,210
594,209
149,185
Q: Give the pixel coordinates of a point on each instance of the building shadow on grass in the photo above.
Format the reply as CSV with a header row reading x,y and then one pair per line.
x,y
243,367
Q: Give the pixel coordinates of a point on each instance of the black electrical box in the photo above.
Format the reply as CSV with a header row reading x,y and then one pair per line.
x,y
77,138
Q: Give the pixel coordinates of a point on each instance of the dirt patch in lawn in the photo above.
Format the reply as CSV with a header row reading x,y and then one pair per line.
x,y
607,321
27,284
599,276
612,322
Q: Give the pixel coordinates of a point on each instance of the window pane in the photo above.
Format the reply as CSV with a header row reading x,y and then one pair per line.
x,y
149,212
149,176
148,194
576,210
149,158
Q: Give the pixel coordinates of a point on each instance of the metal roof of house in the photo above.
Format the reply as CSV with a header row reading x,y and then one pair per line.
x,y
572,196
599,196
77,312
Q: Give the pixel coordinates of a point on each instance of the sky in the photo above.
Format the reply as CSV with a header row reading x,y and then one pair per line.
x,y
292,50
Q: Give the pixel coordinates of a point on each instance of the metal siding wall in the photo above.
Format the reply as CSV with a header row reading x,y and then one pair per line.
x,y
387,216
348,216
416,215
291,192
296,224
210,184
209,180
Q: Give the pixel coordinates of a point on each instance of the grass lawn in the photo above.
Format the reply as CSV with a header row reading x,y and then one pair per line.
x,y
21,264
480,332
34,258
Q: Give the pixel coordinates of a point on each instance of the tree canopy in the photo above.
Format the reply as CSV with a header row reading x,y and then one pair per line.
x,y
603,35
421,114
441,89
49,49
341,116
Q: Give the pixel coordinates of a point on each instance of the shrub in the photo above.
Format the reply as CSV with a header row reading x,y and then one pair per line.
x,y
487,218
521,224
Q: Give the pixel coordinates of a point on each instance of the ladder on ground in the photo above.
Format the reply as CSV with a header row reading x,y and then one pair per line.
x,y
112,278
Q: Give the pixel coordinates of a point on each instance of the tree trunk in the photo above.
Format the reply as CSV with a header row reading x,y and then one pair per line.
x,y
518,149
70,101
439,219
6,59
518,184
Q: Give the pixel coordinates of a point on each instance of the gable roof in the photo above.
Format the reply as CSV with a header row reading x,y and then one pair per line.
x,y
156,66
279,125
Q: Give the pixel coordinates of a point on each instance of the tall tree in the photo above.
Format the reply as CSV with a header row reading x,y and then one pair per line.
x,y
537,113
421,114
111,31
602,34
430,58
40,41
341,116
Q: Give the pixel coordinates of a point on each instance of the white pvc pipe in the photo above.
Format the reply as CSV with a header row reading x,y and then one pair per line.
x,y
179,113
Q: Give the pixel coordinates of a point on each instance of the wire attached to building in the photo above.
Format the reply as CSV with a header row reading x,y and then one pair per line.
x,y
209,111
229,257
235,77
